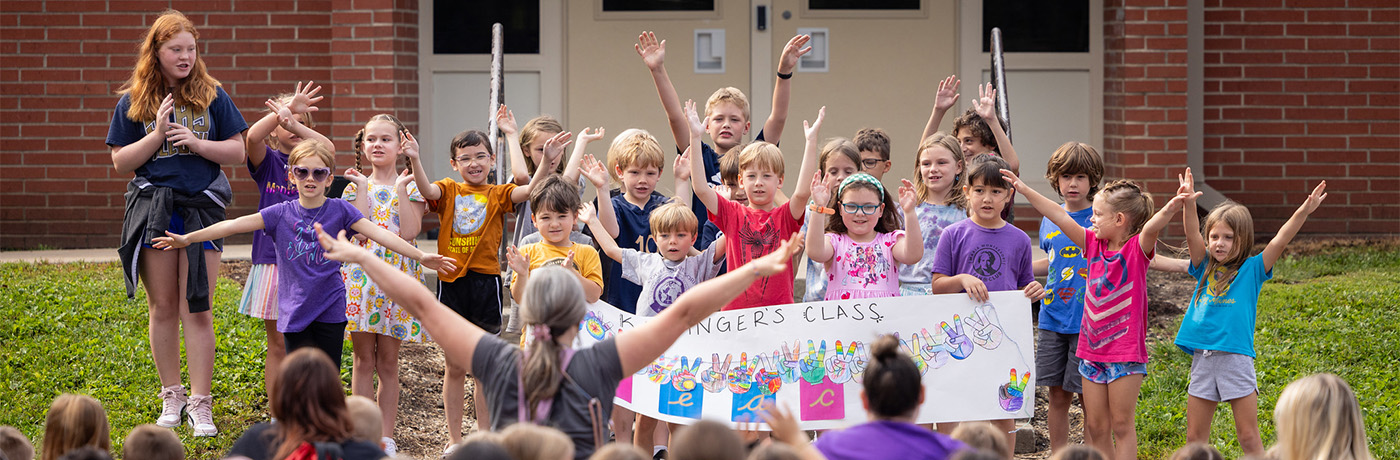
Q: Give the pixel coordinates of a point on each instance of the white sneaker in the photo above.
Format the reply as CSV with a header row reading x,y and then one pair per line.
x,y
172,406
447,452
201,416
389,446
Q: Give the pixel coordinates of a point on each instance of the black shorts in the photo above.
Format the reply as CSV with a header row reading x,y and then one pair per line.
x,y
476,297
327,337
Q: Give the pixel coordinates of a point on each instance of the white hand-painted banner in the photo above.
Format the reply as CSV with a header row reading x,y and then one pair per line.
x,y
977,360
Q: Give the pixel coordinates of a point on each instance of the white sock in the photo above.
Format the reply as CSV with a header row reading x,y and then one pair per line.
x,y
657,449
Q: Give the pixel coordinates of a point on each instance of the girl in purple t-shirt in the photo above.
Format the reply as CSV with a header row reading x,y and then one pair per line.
x,y
311,294
287,123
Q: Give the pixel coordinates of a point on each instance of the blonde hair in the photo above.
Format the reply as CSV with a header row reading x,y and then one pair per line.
x,y
731,95
1129,198
1237,217
541,127
368,419
1316,418
635,148
706,440
619,451
984,436
1078,452
306,120
762,155
838,146
1075,158
151,442
75,421
309,148
147,86
956,197
524,440
673,217
359,142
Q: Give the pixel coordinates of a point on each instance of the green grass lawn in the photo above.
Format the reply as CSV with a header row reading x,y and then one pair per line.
x,y
1334,311
69,328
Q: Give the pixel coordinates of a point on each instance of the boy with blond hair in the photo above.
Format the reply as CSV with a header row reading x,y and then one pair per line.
x,y
756,229
726,116
368,419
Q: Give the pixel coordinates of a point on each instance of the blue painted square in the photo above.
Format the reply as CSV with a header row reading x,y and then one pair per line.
x,y
681,403
749,405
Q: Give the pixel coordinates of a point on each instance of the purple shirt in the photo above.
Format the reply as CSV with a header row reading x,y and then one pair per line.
x,y
882,439
271,176
1001,257
309,286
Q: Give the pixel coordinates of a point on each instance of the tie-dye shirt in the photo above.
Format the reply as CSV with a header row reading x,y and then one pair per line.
x,y
1114,329
933,218
862,270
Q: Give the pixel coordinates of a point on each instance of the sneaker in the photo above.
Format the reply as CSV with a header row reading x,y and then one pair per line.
x,y
447,452
172,406
660,455
389,446
201,416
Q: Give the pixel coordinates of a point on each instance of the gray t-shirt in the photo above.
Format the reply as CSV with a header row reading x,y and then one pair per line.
x,y
662,280
596,370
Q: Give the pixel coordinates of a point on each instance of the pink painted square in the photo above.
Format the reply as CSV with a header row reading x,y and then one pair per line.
x,y
823,401
624,389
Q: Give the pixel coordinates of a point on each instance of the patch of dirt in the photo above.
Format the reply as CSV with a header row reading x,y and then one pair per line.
x,y
236,270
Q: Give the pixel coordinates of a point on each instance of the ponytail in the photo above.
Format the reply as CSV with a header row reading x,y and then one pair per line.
x,y
359,144
892,380
1129,198
551,306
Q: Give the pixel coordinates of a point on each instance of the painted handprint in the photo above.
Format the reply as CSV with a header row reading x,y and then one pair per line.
x,y
741,378
1012,394
683,378
859,361
766,375
714,378
813,366
934,350
959,345
838,367
659,371
791,362
986,328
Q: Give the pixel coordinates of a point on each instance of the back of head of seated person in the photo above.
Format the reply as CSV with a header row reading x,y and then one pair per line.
x,y
529,441
1079,452
86,453
706,440
620,451
1318,417
151,442
482,445
13,444
74,421
368,419
983,436
309,402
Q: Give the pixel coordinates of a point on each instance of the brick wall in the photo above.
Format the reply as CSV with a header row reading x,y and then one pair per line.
x,y
62,61
1295,92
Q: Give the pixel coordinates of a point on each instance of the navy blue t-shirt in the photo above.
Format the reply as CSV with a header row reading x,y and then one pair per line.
x,y
178,167
633,232
709,232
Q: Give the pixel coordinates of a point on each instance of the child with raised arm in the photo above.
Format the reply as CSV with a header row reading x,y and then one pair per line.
x,y
472,215
756,229
726,112
556,205
938,183
671,269
1113,335
311,302
635,162
839,159
985,253
862,248
1218,329
533,137
287,123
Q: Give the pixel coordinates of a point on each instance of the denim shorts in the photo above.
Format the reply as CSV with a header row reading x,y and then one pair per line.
x,y
1104,373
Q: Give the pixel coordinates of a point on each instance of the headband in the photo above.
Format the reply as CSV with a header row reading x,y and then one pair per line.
x,y
864,178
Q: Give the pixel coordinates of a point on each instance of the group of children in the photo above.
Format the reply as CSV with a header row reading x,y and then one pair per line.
x,y
944,230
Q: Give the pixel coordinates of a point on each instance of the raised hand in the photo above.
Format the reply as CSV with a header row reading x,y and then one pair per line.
x,y
814,364
681,168
304,99
813,130
908,197
692,117
783,424
959,345
792,52
1187,183
585,136
740,378
408,144
284,114
167,106
170,241
338,248
405,178
594,171
653,52
517,261
715,378
986,327
1315,198
1012,394
683,378
555,146
985,104
1010,177
357,178
820,194
947,93
505,119
587,213
569,260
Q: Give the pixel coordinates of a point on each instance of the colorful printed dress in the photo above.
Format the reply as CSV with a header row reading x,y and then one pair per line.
x,y
863,270
366,308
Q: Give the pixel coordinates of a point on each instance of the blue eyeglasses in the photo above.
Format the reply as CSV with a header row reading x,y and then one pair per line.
x,y
866,209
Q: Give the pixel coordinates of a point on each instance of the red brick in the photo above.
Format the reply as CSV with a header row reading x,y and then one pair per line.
x,y
1266,15
1373,57
1363,113
1314,113
1241,142
1327,71
111,20
1318,29
1373,30
1273,99
1316,57
1309,142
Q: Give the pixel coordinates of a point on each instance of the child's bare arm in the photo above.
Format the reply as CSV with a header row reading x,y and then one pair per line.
x,y
681,169
985,105
552,149
809,165
702,189
946,97
519,264
944,284
1049,209
571,169
1041,267
1147,240
653,54
720,245
426,187
818,247
253,145
303,101
598,175
782,88
1169,264
245,224
393,242
1190,221
909,249
410,212
359,185
505,120
1290,228
609,245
